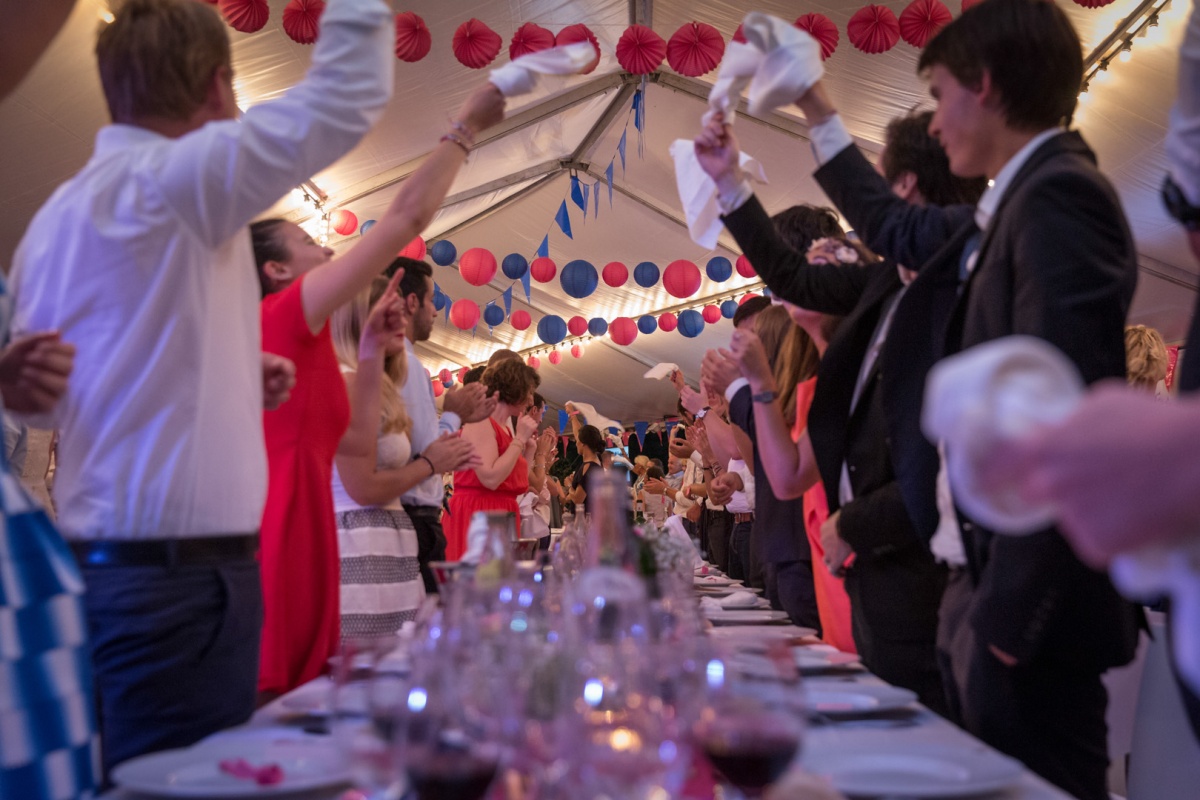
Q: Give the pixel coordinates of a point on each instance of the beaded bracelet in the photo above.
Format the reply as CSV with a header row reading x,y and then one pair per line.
x,y
454,137
463,130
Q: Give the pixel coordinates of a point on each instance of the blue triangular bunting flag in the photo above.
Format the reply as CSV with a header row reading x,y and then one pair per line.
x,y
637,110
640,429
596,199
621,150
564,220
562,420
525,284
608,175
508,300
586,191
577,195
543,251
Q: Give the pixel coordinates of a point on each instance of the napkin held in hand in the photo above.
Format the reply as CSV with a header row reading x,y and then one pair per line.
x,y
520,75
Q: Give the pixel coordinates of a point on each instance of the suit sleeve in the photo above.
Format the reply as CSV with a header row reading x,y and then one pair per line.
x,y
876,524
741,411
824,288
905,233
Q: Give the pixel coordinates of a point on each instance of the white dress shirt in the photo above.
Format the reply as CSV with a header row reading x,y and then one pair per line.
x,y
742,502
417,394
143,261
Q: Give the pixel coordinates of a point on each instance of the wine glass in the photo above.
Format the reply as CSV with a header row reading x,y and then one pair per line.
x,y
363,707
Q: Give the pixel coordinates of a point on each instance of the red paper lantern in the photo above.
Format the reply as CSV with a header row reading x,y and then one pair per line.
x,y
579,33
739,35
921,20
623,331
694,49
615,274
464,314
640,50
344,222
529,38
873,29
446,375
412,37
520,320
681,278
534,362
711,314
462,374
414,250
576,351
555,357
577,326
668,322
746,297
438,389
475,44
745,268
246,16
542,270
821,28
302,20
477,266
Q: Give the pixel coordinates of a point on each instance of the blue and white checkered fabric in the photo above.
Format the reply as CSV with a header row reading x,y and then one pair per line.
x,y
48,744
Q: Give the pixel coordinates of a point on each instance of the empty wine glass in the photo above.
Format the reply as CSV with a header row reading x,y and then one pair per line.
x,y
363,708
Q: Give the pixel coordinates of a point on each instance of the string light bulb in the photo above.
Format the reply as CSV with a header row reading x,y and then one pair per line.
x,y
1126,53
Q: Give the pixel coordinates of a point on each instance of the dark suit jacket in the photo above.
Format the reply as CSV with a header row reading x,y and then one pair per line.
x,y
1057,262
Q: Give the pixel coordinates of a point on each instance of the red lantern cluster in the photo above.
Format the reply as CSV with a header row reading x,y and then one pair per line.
x,y
681,278
821,28
873,29
414,250
615,274
477,266
577,326
246,16
922,20
576,351
412,37
344,222
668,322
640,50
302,20
711,314
529,38
555,357
464,314
521,320
744,267
579,33
475,44
623,331
694,49
542,270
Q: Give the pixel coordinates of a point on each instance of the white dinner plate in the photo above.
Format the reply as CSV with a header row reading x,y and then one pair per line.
x,y
812,659
913,769
833,698
714,580
724,591
196,771
745,616
757,637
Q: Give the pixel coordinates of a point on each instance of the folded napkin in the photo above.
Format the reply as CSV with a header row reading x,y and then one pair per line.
x,y
739,600
1007,389
778,63
520,76
660,371
593,417
709,604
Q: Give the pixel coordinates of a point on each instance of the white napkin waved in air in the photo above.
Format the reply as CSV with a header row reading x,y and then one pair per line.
x,y
520,75
778,63
593,417
660,371
1006,389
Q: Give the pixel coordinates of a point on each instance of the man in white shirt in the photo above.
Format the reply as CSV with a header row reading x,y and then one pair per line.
x,y
143,261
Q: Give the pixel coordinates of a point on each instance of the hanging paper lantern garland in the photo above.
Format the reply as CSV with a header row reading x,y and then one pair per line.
x,y
446,376
414,250
475,44
746,297
729,308
921,20
464,314
645,274
443,253
691,323
438,389
745,268
302,20
246,16
579,33
718,269
615,274
366,226
493,315
551,329
711,314
542,270
515,266
873,29
462,374
477,266
534,362
597,326
647,324
521,320
412,37
576,351
555,357
821,28
681,279
529,38
577,326
579,279
667,322
640,50
623,331
694,49
344,222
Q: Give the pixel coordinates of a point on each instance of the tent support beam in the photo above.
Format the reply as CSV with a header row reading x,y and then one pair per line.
x,y
545,168
619,103
503,204
641,12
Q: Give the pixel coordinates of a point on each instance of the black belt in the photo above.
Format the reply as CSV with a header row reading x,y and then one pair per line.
x,y
195,551
427,512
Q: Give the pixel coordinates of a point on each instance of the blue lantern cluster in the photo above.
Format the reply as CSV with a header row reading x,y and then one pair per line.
x,y
514,266
719,269
645,274
493,314
551,329
443,253
647,324
728,309
597,326
439,299
691,323
579,279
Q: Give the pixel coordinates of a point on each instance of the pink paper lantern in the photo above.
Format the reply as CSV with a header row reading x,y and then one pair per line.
x,y
921,21
477,266
529,38
521,320
246,16
542,270
475,45
579,33
555,357
577,325
438,388
746,297
873,29
462,373
623,331
694,49
668,322
344,222
681,278
414,250
412,37
446,375
744,267
711,314
821,28
534,362
302,20
464,314
576,351
615,274
640,50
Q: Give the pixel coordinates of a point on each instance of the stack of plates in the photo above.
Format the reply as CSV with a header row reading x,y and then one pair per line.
x,y
879,767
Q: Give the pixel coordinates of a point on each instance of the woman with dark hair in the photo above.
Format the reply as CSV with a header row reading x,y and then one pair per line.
x,y
590,444
503,473
302,286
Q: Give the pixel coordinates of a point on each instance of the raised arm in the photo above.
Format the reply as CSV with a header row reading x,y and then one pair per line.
x,y
496,466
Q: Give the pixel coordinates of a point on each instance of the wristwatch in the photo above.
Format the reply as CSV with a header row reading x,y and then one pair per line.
x,y
1178,205
765,397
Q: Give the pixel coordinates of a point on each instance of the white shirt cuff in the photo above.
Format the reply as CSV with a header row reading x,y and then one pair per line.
x,y
449,422
829,138
734,388
731,201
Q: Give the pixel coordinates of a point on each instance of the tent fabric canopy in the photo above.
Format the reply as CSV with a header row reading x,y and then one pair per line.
x,y
509,192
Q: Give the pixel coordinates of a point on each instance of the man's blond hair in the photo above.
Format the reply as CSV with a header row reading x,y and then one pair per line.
x,y
157,58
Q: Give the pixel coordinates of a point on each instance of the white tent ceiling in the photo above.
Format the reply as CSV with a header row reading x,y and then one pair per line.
x,y
506,196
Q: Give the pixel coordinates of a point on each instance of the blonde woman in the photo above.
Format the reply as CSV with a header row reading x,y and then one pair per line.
x,y
381,585
1145,357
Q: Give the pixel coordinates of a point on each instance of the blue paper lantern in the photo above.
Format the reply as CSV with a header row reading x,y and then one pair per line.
x,y
366,226
493,315
579,279
691,323
729,308
597,326
439,299
515,266
443,253
647,324
645,274
551,329
719,269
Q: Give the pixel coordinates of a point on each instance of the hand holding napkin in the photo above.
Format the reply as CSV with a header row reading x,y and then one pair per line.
x,y
520,75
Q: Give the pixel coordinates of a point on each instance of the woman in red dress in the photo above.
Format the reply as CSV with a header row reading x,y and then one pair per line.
x,y
503,476
302,286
